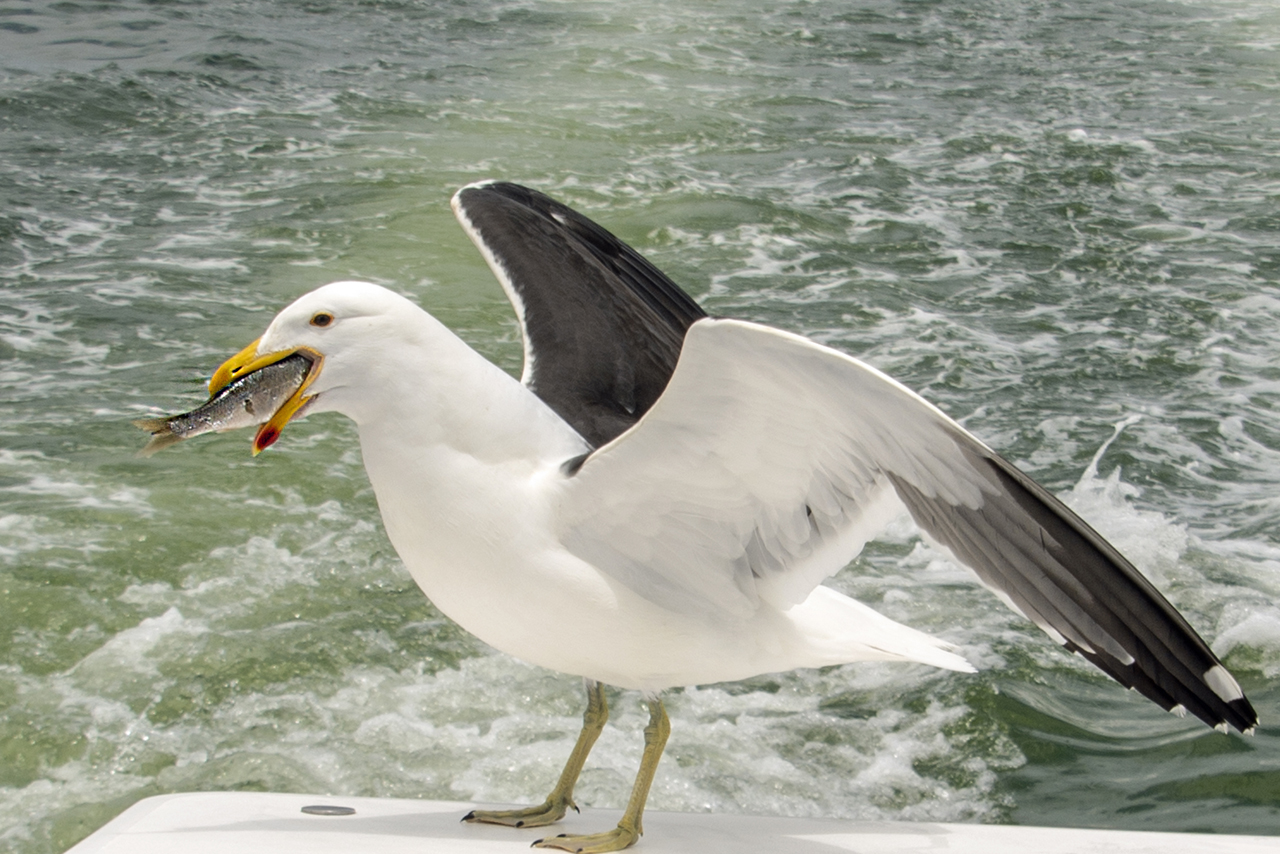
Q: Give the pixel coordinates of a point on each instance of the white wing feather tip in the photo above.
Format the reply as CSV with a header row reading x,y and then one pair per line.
x,y
1223,683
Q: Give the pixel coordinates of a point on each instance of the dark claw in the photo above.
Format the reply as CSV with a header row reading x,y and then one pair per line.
x,y
469,816
520,823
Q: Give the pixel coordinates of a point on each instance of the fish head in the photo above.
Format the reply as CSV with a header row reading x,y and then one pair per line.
x,y
253,358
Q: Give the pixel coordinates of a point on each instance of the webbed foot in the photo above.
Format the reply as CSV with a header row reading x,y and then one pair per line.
x,y
549,812
593,843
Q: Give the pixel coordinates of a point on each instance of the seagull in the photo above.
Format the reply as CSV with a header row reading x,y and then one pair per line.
x,y
657,500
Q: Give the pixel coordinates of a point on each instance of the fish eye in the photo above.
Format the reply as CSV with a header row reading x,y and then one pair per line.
x,y
321,318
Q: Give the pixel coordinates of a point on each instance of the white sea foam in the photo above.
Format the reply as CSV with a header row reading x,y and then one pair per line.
x,y
1256,628
132,651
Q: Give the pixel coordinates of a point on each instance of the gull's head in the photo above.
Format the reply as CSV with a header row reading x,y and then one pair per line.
x,y
343,328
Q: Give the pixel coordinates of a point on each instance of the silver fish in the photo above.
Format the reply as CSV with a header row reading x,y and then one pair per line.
x,y
250,400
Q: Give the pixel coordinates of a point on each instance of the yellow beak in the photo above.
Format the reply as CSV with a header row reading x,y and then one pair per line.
x,y
246,362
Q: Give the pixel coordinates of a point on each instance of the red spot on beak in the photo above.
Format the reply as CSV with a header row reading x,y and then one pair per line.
x,y
266,438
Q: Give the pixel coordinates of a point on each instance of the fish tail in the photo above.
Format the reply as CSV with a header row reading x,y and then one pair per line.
x,y
162,435
153,425
159,443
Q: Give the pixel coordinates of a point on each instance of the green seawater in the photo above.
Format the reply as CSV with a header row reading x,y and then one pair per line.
x,y
1059,221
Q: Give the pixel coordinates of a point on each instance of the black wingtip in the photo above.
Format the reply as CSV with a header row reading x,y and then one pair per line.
x,y
1246,717
1172,665
1063,575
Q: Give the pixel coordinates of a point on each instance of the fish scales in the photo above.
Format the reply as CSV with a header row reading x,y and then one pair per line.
x,y
246,402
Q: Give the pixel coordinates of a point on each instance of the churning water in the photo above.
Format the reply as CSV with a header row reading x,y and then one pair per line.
x,y
1060,221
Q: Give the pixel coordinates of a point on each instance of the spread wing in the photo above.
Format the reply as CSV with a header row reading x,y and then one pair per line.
x,y
770,460
602,326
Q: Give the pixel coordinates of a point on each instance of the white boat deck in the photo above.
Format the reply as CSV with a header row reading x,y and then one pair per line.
x,y
259,823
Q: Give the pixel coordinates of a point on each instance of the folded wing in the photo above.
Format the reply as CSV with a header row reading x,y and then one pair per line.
x,y
770,460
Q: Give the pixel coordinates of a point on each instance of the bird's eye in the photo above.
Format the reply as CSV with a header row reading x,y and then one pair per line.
x,y
322,318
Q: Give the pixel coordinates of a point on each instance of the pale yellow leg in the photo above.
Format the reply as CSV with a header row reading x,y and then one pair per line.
x,y
630,828
561,798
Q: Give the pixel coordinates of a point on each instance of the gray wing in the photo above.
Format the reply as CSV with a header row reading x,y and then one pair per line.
x,y
770,460
602,326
